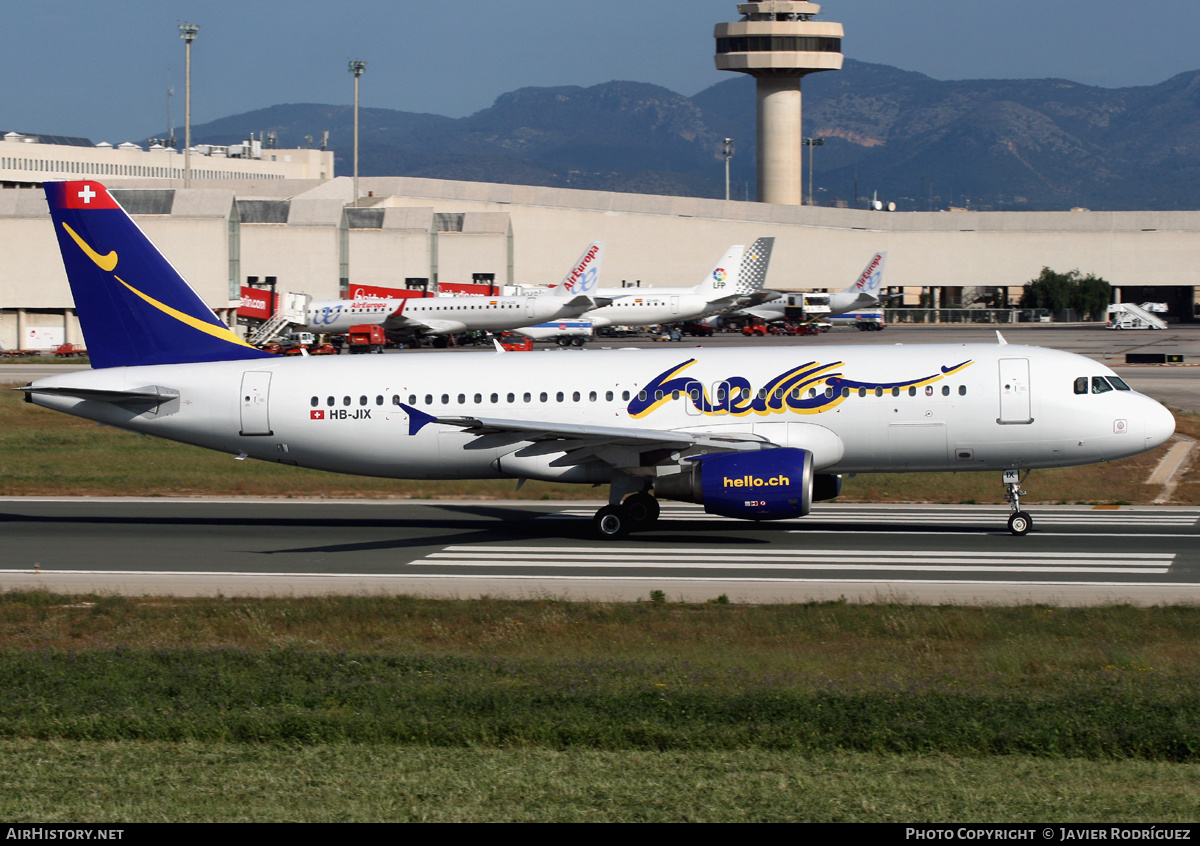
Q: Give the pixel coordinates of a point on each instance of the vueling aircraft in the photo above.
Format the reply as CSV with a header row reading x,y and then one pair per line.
x,y
738,278
863,294
734,281
421,316
751,433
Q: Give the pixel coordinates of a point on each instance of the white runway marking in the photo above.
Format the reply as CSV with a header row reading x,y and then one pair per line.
x,y
946,517
654,558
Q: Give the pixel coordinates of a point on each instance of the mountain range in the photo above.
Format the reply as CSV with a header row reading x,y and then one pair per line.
x,y
896,135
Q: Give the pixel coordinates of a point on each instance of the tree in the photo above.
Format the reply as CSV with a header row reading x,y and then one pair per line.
x,y
1089,295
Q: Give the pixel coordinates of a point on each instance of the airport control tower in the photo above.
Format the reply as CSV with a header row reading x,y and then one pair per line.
x,y
778,42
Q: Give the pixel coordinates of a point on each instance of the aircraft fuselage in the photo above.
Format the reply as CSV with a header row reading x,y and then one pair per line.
x,y
857,408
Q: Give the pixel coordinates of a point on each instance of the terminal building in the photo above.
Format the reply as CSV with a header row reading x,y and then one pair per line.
x,y
316,238
249,213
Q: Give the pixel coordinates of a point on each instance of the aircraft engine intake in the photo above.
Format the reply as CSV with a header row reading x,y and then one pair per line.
x,y
772,484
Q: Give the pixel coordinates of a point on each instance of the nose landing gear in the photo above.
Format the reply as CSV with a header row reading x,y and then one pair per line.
x,y
1019,523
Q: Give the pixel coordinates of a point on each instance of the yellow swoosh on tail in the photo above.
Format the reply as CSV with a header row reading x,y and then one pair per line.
x,y
106,263
221,332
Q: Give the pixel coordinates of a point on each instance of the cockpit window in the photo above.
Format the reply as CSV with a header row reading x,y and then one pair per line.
x,y
1100,385
1119,383
1081,385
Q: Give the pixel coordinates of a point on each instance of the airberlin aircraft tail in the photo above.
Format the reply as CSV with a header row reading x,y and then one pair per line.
x,y
134,307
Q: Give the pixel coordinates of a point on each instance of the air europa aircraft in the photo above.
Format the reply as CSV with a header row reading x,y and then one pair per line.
x,y
420,316
862,294
750,433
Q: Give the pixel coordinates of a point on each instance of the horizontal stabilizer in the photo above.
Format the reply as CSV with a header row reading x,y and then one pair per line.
x,y
138,396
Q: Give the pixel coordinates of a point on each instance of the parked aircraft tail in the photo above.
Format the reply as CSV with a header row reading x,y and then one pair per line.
x,y
584,276
871,278
723,278
134,307
752,275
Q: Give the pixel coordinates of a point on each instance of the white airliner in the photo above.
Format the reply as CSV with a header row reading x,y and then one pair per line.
x,y
739,277
421,316
862,295
736,280
748,432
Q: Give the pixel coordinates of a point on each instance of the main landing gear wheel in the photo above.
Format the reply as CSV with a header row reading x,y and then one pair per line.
x,y
612,522
642,509
1020,523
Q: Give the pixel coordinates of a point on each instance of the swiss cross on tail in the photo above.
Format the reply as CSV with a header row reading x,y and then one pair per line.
x,y
88,195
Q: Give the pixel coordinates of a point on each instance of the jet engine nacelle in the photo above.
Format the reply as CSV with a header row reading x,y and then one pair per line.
x,y
771,484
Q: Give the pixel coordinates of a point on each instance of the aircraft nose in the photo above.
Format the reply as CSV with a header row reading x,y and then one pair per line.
x,y
1160,425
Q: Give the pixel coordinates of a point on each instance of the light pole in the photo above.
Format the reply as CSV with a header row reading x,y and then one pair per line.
x,y
357,67
728,153
810,143
188,33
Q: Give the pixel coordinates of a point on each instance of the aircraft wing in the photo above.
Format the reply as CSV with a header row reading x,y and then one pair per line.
x,y
763,313
424,326
620,446
759,297
584,302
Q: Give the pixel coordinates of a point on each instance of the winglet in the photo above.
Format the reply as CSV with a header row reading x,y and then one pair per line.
x,y
417,419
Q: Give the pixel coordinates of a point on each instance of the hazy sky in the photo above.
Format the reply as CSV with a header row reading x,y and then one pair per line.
x,y
102,69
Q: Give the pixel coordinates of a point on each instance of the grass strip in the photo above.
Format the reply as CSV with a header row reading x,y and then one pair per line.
x,y
129,782
298,697
1116,682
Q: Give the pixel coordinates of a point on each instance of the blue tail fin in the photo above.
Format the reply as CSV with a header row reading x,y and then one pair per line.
x,y
134,307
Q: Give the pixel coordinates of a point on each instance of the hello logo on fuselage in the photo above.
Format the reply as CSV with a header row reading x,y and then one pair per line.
x,y
785,393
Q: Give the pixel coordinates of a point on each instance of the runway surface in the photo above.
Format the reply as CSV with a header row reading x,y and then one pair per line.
x,y
919,553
